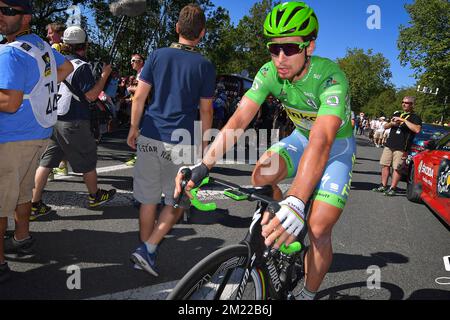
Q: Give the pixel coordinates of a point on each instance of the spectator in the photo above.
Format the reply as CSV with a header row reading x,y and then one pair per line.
x,y
379,131
72,134
26,83
403,128
182,80
55,32
137,63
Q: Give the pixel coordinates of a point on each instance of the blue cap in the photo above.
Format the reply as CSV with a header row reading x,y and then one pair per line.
x,y
24,4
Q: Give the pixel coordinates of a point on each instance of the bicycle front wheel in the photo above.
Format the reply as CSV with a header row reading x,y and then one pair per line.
x,y
218,276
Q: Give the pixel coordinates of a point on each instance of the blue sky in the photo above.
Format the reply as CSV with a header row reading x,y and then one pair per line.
x,y
343,24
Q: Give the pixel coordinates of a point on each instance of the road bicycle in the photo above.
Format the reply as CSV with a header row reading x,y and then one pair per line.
x,y
248,270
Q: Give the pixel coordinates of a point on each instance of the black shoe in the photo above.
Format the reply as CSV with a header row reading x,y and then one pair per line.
x,y
39,209
391,192
102,197
23,247
380,189
5,272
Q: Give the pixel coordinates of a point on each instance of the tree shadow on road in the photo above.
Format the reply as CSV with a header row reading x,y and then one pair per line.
x,y
103,258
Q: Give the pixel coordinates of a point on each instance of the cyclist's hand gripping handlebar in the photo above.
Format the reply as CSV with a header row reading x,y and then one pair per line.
x,y
187,174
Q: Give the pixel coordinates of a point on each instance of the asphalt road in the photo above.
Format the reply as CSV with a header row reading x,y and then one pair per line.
x,y
403,241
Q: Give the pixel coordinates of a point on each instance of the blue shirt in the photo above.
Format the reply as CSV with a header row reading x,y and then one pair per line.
x,y
179,79
19,71
82,81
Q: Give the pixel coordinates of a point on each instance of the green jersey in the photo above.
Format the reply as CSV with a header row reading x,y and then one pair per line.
x,y
322,91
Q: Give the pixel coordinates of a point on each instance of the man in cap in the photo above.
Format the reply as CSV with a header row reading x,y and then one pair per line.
x,y
29,73
72,137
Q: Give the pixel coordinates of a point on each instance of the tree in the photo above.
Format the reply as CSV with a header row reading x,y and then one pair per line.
x,y
368,75
425,45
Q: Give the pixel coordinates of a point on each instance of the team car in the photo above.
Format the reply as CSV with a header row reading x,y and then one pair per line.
x,y
429,177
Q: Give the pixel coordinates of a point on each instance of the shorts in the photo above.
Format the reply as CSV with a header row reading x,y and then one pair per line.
x,y
157,164
336,179
18,163
392,158
378,135
71,141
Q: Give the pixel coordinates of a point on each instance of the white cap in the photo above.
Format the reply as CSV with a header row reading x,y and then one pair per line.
x,y
382,118
74,35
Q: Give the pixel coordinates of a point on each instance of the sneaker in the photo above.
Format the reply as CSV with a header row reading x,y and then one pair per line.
x,y
131,162
145,260
390,193
51,176
39,209
5,272
102,197
380,189
61,171
23,247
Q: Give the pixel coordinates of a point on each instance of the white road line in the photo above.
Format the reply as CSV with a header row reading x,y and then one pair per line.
x,y
123,198
155,292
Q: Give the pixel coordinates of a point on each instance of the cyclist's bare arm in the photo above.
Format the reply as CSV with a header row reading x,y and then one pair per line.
x,y
206,117
64,70
10,100
137,108
227,137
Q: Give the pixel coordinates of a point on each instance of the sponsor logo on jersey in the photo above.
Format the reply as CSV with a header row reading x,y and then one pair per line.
x,y
25,46
256,84
264,71
312,104
330,82
302,119
333,101
40,45
48,69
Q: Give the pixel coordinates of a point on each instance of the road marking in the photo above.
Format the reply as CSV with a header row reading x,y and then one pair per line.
x,y
73,175
60,200
155,292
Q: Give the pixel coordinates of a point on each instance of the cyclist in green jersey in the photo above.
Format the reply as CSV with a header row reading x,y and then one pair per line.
x,y
319,154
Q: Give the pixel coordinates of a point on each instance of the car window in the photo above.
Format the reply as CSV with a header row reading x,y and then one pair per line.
x,y
444,144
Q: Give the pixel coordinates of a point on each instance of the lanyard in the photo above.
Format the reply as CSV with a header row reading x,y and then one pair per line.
x,y
177,45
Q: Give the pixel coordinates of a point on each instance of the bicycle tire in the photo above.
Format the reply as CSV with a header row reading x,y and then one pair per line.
x,y
198,283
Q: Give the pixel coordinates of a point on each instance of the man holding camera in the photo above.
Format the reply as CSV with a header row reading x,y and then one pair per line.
x,y
404,125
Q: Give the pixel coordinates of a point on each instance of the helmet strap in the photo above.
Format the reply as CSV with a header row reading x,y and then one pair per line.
x,y
304,64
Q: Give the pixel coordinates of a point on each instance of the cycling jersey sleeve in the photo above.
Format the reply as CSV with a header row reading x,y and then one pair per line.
x,y
333,97
260,88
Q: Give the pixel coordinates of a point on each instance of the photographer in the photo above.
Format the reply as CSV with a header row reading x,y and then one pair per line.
x,y
403,128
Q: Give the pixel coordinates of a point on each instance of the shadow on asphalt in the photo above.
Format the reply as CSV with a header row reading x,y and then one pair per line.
x,y
390,292
219,216
345,262
103,257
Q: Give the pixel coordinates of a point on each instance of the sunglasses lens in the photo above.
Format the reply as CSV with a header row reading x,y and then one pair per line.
x,y
7,11
289,49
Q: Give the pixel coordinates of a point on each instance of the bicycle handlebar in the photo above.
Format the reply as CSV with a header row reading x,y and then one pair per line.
x,y
252,193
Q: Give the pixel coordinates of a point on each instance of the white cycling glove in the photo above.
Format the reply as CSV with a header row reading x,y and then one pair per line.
x,y
291,215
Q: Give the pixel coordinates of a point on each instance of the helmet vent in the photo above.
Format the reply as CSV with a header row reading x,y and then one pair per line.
x,y
305,24
293,13
279,16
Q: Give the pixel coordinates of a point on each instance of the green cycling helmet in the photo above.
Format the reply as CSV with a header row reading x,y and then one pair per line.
x,y
291,19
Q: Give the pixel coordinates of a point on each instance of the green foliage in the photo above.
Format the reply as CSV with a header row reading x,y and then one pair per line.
x,y
425,45
368,74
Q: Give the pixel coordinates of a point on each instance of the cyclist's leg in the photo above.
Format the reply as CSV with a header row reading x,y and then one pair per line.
x,y
328,202
279,162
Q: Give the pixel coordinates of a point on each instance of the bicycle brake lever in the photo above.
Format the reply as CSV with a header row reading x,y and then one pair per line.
x,y
187,174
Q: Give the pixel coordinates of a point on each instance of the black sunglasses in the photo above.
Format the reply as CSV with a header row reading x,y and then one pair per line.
x,y
407,102
8,11
289,48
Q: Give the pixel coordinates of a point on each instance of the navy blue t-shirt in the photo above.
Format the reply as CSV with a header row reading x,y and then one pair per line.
x,y
82,81
179,79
